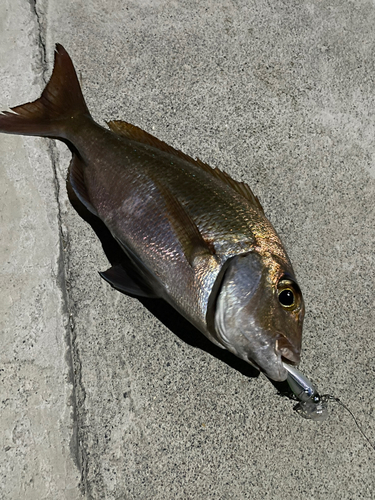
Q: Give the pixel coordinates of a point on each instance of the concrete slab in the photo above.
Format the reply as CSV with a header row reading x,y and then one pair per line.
x,y
280,96
38,453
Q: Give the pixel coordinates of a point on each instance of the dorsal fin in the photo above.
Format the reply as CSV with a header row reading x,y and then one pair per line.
x,y
240,187
135,133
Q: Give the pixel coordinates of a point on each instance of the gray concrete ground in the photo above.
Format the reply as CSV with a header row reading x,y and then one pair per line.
x,y
99,399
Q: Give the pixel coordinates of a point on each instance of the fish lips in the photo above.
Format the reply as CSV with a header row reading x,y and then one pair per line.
x,y
268,348
268,356
260,349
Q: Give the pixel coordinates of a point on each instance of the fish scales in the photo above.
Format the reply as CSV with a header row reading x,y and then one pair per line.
x,y
196,237
221,215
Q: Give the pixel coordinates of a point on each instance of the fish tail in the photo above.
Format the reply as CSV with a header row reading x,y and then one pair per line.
x,y
52,114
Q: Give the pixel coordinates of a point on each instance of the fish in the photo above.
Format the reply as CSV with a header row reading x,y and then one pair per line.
x,y
195,237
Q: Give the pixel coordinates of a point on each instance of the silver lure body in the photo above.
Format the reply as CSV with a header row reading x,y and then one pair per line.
x,y
311,405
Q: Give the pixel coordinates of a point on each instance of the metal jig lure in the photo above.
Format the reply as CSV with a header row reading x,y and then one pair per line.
x,y
311,404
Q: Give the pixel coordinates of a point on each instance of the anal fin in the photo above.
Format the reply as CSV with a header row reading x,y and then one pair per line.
x,y
119,278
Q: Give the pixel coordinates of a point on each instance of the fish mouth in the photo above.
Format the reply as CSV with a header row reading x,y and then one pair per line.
x,y
287,352
274,369
271,360
271,365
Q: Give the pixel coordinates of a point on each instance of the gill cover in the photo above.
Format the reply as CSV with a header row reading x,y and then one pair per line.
x,y
259,313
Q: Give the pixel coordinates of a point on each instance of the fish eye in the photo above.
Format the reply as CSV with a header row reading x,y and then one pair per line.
x,y
288,294
286,297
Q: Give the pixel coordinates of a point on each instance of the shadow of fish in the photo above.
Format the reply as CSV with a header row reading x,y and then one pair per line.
x,y
196,237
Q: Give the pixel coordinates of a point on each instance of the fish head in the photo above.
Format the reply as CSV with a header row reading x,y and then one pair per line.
x,y
259,312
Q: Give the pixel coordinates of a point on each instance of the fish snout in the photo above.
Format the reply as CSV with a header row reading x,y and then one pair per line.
x,y
288,351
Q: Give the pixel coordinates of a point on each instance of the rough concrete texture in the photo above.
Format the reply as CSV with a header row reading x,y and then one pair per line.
x,y
38,455
280,95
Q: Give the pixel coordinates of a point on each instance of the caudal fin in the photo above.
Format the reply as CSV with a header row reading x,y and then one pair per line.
x,y
51,114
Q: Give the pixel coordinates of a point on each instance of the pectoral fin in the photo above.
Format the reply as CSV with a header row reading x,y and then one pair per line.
x,y
187,232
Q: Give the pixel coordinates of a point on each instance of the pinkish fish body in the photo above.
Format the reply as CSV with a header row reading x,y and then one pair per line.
x,y
196,237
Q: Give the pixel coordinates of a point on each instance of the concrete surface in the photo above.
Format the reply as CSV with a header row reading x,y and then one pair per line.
x,y
110,403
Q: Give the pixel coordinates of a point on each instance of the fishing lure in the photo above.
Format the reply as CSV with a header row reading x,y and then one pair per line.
x,y
311,405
